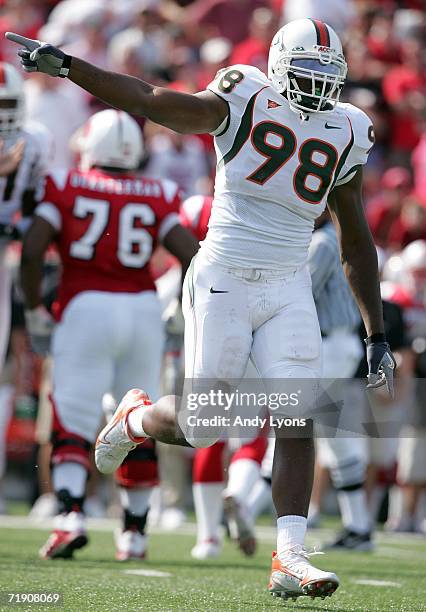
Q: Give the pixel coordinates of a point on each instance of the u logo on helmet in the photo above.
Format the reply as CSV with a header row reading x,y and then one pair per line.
x,y
309,69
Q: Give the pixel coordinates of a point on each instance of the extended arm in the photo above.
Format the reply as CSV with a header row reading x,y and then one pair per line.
x,y
184,113
359,260
38,320
358,253
181,243
35,244
181,112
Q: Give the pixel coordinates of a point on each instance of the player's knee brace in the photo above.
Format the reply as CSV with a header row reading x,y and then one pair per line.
x,y
67,503
131,522
348,475
140,467
69,447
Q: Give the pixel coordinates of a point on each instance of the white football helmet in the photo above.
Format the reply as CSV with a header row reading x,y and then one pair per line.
x,y
11,100
111,139
306,62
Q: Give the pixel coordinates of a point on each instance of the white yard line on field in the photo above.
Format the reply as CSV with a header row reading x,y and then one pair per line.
x,y
378,583
147,572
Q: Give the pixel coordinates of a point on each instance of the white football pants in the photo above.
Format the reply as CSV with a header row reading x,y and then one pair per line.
x,y
232,315
105,342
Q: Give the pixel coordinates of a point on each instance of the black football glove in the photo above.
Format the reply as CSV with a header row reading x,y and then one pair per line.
x,y
41,57
381,364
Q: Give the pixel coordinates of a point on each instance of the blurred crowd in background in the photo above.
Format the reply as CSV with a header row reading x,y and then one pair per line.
x,y
182,44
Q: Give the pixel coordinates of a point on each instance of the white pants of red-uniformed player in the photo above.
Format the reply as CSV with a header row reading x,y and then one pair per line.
x,y
105,342
342,351
233,314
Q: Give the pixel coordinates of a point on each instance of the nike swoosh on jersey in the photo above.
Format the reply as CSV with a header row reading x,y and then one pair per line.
x,y
214,291
332,127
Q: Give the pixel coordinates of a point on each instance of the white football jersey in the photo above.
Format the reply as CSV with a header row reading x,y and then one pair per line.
x,y
30,173
275,171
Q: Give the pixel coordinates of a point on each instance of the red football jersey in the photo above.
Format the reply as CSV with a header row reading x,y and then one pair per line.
x,y
107,227
195,214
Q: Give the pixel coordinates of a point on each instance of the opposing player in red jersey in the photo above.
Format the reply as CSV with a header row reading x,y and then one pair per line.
x,y
105,220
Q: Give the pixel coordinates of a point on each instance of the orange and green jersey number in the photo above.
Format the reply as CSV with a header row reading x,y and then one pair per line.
x,y
278,154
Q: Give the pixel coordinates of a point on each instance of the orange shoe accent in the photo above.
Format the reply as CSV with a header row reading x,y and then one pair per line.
x,y
277,566
142,399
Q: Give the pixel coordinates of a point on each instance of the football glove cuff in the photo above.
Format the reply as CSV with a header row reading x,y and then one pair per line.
x,y
47,59
381,364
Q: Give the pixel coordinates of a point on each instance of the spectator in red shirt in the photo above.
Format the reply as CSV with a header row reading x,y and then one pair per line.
x,y
381,42
418,162
205,19
254,49
410,225
23,16
385,209
404,89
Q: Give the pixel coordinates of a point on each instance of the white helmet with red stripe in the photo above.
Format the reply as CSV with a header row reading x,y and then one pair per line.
x,y
306,62
11,100
111,139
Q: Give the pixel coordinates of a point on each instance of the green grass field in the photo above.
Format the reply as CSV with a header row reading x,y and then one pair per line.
x,y
94,581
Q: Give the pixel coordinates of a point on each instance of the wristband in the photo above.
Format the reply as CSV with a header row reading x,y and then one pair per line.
x,y
375,338
65,68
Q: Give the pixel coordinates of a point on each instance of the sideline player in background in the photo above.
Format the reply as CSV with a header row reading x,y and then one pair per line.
x,y
24,156
105,220
284,143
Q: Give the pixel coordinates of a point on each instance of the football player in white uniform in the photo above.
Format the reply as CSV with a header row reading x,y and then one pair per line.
x,y
23,161
285,148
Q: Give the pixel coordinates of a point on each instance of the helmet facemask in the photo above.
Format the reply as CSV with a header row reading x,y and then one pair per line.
x,y
312,81
11,115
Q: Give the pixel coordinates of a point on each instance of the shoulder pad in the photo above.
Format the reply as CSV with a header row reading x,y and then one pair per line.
x,y
363,142
238,81
236,85
361,125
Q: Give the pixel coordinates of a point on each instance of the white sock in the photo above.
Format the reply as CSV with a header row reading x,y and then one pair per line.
x,y
135,501
70,476
354,510
259,498
208,509
291,532
134,422
242,476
